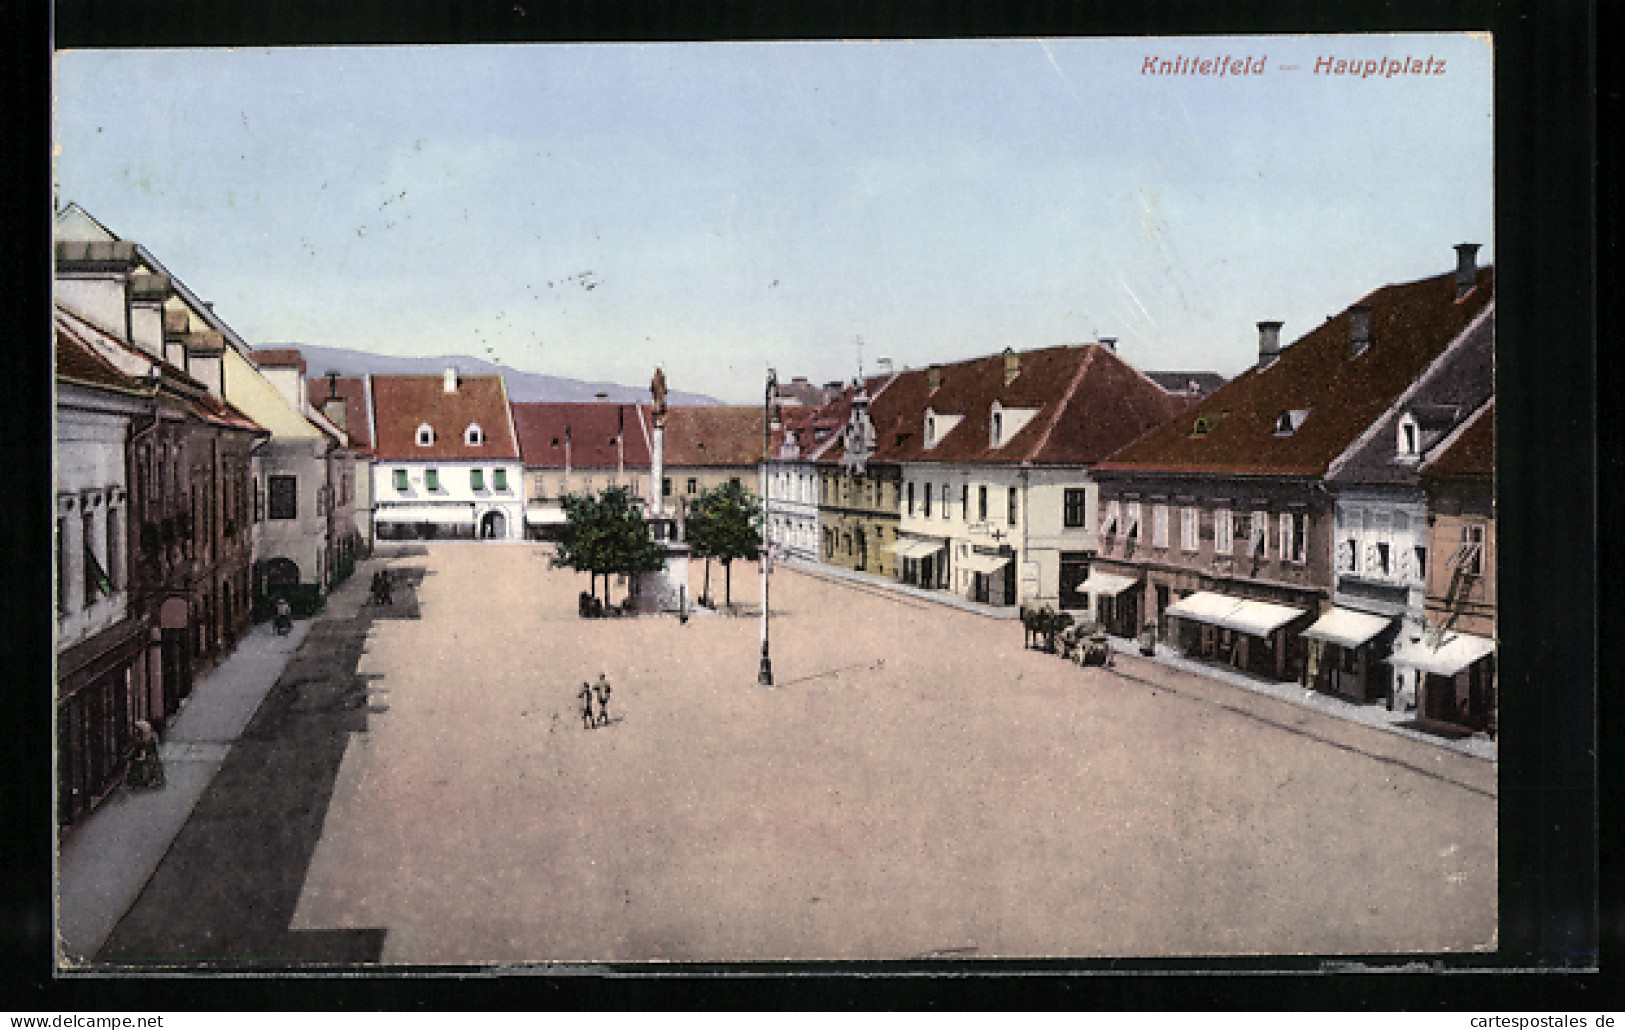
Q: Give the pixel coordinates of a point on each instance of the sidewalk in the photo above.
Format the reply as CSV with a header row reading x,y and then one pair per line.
x,y
942,597
1375,716
107,859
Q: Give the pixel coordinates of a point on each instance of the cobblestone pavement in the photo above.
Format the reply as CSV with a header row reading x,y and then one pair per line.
x,y
916,784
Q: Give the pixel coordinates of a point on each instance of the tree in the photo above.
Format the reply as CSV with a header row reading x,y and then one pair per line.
x,y
606,535
724,523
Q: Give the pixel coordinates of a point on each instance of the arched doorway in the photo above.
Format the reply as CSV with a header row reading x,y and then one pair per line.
x,y
174,620
494,526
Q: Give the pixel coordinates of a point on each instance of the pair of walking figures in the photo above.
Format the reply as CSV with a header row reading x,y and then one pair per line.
x,y
589,693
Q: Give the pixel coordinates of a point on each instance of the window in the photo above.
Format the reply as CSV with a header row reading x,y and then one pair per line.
x,y
945,500
998,429
425,434
665,486
911,497
284,491
1223,531
926,511
1470,556
1258,534
1421,563
115,547
1382,557
499,479
1010,506
259,501
476,479
930,431
62,566
964,501
1190,528
1159,525
431,479
1131,521
693,485
1073,503
733,480
321,499
1291,540
1113,516
981,503
474,436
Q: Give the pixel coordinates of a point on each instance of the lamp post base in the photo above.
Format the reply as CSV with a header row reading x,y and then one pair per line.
x,y
764,673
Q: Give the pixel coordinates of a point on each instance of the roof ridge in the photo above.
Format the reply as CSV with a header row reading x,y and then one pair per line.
x,y
1065,401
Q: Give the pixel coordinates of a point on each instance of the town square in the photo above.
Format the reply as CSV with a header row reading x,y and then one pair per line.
x,y
935,502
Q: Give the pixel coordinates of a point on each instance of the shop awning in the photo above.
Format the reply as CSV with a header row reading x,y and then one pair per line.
x,y
546,516
449,515
1455,653
1259,618
985,563
915,547
1105,583
1346,627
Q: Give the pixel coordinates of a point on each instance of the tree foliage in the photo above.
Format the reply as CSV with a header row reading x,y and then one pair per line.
x,y
606,535
725,523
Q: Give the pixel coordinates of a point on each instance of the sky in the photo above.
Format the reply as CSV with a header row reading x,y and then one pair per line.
x,y
593,211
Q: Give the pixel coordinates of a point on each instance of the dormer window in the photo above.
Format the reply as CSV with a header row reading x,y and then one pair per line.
x,y
473,436
930,430
1204,424
1287,422
425,435
996,435
1409,443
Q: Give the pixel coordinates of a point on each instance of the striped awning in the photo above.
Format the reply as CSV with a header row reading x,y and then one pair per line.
x,y
451,514
985,563
1258,618
1454,653
915,547
1346,627
1105,583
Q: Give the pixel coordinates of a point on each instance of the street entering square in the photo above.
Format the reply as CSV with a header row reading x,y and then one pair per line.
x,y
917,784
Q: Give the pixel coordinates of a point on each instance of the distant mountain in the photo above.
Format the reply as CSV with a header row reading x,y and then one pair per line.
x,y
522,386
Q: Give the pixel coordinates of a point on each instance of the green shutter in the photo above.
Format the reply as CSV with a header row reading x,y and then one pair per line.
x,y
431,479
499,479
400,480
476,479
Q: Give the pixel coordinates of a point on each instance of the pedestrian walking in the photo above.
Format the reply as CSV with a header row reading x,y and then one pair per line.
x,y
146,768
602,689
585,695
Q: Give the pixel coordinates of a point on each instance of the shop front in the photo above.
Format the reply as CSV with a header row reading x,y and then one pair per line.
x,y
992,576
425,522
1346,651
1240,632
1455,679
921,561
1113,602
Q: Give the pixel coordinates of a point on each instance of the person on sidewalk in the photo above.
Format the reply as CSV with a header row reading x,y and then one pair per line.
x,y
146,768
602,688
284,617
585,696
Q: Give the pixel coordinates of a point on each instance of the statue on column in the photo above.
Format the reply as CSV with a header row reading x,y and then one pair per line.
x,y
657,390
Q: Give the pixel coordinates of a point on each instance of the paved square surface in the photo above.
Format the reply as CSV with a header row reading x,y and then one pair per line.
x,y
917,785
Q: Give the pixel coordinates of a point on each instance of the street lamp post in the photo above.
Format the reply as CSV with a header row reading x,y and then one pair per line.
x,y
764,674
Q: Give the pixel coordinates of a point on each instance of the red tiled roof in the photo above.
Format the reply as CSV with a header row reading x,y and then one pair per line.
x,y
76,360
591,428
352,390
1411,323
279,357
403,402
1089,403
701,435
1470,455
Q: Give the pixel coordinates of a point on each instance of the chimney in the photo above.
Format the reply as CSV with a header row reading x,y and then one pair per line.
x,y
1359,329
450,382
600,396
933,377
883,366
1110,343
1012,366
1269,343
1466,268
